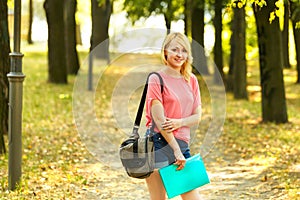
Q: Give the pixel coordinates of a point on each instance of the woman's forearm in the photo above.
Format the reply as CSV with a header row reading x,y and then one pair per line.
x,y
193,119
159,118
173,124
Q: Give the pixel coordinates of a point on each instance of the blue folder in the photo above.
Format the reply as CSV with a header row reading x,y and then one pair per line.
x,y
192,176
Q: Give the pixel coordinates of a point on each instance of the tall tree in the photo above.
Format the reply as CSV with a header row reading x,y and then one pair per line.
x,y
197,22
101,12
230,75
285,36
218,50
271,65
295,16
4,70
56,41
30,20
70,36
239,53
188,17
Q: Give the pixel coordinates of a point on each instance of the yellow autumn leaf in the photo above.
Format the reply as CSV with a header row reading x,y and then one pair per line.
x,y
272,17
280,12
239,4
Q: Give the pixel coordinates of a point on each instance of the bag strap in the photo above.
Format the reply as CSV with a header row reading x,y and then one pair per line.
x,y
142,104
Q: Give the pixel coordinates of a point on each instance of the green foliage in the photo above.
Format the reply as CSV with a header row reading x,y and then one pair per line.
x,y
241,3
277,12
137,9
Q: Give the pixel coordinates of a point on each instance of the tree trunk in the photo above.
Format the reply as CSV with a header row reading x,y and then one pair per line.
x,y
29,35
57,68
239,58
200,61
218,51
70,35
295,9
271,65
4,70
187,17
297,45
168,23
230,75
100,23
285,37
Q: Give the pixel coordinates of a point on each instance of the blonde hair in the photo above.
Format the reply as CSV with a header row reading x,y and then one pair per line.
x,y
186,68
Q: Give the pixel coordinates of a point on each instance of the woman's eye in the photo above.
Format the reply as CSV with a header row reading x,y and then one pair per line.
x,y
176,50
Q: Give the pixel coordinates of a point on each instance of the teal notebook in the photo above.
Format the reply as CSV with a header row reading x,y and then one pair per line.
x,y
192,176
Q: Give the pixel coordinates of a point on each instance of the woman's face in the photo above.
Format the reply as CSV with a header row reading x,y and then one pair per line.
x,y
176,55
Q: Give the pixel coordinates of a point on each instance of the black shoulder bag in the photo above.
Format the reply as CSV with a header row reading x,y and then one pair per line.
x,y
137,153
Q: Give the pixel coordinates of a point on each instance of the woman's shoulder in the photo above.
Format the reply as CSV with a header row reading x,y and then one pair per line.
x,y
193,77
156,77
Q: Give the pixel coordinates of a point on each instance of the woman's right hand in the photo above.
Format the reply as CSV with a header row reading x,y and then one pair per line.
x,y
171,125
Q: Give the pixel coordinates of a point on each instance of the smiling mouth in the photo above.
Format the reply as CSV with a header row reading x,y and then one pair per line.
x,y
179,60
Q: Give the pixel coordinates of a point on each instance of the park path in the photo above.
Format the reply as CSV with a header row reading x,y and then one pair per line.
x,y
232,177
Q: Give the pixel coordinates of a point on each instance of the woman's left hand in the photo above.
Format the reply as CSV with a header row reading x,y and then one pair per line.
x,y
171,124
180,160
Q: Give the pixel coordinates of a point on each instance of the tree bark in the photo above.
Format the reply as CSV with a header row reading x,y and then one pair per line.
x,y
30,21
70,35
285,37
187,17
271,65
297,46
239,58
57,68
168,23
295,10
4,70
218,50
230,75
100,24
200,61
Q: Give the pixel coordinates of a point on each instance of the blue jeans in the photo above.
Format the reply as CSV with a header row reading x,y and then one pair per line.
x,y
164,154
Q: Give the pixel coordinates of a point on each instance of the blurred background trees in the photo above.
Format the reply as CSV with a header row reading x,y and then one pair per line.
x,y
101,12
271,64
4,70
57,59
233,33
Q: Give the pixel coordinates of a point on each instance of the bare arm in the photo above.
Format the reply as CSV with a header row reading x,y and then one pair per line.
x,y
173,124
157,111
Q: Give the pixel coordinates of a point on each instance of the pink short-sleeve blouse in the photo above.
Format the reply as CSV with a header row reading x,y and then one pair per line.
x,y
179,99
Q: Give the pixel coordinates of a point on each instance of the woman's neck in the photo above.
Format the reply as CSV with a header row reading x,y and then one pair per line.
x,y
172,72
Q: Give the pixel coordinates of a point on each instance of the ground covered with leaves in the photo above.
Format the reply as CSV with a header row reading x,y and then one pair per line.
x,y
251,160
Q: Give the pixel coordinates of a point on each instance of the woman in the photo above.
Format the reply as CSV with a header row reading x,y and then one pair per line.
x,y
174,111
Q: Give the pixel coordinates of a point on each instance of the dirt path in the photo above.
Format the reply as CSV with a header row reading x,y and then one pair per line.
x,y
235,178
231,178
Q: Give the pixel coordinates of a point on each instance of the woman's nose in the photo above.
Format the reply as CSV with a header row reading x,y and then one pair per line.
x,y
179,53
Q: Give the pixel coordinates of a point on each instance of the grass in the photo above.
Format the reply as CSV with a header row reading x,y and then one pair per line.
x,y
54,156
